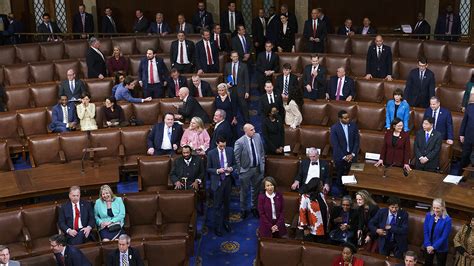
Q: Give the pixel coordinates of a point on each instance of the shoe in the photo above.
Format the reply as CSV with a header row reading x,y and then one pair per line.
x,y
255,213
227,228
244,214
218,233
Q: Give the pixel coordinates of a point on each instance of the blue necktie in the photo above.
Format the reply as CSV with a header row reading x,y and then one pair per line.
x,y
254,156
393,222
427,137
169,134
222,165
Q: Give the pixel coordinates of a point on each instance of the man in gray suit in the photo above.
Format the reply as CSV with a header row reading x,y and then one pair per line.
x,y
73,88
250,160
237,76
5,257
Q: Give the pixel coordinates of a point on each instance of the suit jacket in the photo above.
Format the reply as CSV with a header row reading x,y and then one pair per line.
x,y
57,117
79,89
205,90
141,25
440,235
66,215
238,18
370,31
339,142
237,46
423,28
444,124
72,257
143,70
134,259
205,20
214,163
42,28
321,33
429,149
342,30
303,172
263,65
194,171
417,92
223,129
189,46
467,125
243,153
107,26
201,56
242,76
265,212
379,67
286,40
399,230
318,83
265,104
223,45
292,22
292,83
182,81
155,138
442,29
353,220
328,24
95,64
193,108
398,155
273,28
188,28
348,88
257,32
154,28
77,26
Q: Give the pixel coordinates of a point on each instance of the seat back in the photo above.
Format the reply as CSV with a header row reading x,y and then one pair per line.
x,y
52,50
134,64
370,141
100,88
292,136
337,44
126,44
41,72
291,201
17,74
166,252
410,49
369,90
333,62
47,227
106,47
165,43
44,95
279,253
325,255
27,53
75,49
7,55
8,125
109,138
145,43
460,53
176,207
435,51
5,161
360,46
11,226
134,140
72,144
390,86
315,113
33,121
404,68
460,74
293,59
358,66
167,106
440,71
283,170
153,171
18,98
315,136
148,112
336,106
370,116
44,149
142,209
62,66
451,98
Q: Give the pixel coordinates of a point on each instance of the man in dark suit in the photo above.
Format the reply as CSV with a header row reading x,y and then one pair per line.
x,y
466,135
241,43
427,147
448,24
220,39
183,26
76,218
391,226
327,22
14,28
286,82
191,107
314,78
64,116
237,76
341,87
259,27
443,121
49,27
268,63
202,19
207,54
200,88
292,22
124,254
315,33
164,137
182,54
65,254
141,24
159,27
269,99
220,167
273,26
366,29
345,144
95,60
422,27
73,88
187,171
221,128
108,22
347,29
152,74
175,82
312,167
379,60
82,22
231,18
420,86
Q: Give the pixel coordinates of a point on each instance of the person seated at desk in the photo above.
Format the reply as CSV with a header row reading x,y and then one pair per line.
x,y
344,222
314,212
86,113
191,107
117,62
76,218
164,137
109,214
427,147
464,244
436,228
366,208
188,170
312,167
347,257
397,108
64,116
270,210
196,136
396,147
113,114
122,93
273,132
391,226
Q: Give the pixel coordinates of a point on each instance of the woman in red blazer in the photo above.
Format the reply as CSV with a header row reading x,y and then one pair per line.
x,y
270,209
347,257
396,146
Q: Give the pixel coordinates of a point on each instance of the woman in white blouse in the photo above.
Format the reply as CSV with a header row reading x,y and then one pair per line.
x,y
86,113
293,107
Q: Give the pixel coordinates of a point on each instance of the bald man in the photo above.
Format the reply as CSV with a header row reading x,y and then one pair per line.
x,y
379,60
190,108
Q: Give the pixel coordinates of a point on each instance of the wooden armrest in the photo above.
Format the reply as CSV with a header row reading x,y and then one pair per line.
x,y
62,156
325,121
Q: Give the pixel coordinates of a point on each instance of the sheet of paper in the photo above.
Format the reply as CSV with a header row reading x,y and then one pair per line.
x,y
407,29
453,179
287,148
372,156
349,179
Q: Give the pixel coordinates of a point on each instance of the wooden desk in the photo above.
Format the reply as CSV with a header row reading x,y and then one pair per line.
x,y
417,186
55,178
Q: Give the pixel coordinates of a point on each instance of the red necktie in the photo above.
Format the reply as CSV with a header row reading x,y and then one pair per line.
x,y
217,41
209,54
176,87
76,218
339,86
181,57
152,80
314,28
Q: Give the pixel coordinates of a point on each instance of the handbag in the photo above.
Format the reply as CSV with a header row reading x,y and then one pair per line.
x,y
340,236
114,227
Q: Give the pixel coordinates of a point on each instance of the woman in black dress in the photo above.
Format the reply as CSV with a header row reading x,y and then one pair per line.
x,y
273,132
286,38
112,113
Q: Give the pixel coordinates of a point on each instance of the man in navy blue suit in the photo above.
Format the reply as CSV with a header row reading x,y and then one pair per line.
x,y
200,88
448,24
220,167
347,29
314,78
466,135
221,129
108,22
76,218
152,74
345,144
443,121
182,54
207,54
202,19
391,226
82,22
379,60
66,255
231,18
175,82
315,32
420,86
159,27
64,116
341,87
164,137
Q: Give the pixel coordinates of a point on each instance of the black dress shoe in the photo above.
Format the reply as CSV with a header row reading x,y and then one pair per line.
x,y
244,214
255,213
227,228
218,233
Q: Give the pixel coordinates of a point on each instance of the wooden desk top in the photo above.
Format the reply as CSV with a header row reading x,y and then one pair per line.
x,y
55,178
418,186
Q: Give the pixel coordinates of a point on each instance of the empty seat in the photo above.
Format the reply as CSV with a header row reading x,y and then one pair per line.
x,y
52,50
134,144
28,52
292,138
292,59
283,170
194,37
109,138
83,69
45,150
145,43
291,201
41,72
17,74
165,43
360,46
450,98
332,63
141,216
435,51
409,48
127,110
336,106
300,44
441,72
337,44
460,53
42,224
371,116
393,44
75,49
18,98
416,120
404,68
62,66
370,141
358,66
5,161
369,90
33,121
390,86
9,131
315,113
72,143
100,88
12,232
153,173
167,106
134,64
317,137
106,47
147,111
44,95
167,252
7,55
460,74
126,44
207,104
274,253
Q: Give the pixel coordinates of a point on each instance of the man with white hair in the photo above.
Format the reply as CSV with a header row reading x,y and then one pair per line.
x,y
190,108
96,67
311,167
124,254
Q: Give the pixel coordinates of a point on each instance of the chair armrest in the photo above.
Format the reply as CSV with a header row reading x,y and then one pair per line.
x,y
159,219
121,150
62,156
26,235
296,148
325,150
126,224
